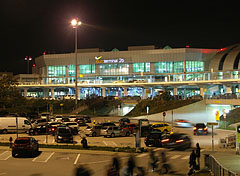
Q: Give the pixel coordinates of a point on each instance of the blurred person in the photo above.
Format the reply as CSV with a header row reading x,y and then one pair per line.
x,y
128,169
82,171
84,142
198,154
114,168
154,160
192,160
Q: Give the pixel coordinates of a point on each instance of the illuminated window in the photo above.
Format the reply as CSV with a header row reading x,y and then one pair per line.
x,y
71,70
87,69
57,70
179,67
141,67
163,67
194,66
114,69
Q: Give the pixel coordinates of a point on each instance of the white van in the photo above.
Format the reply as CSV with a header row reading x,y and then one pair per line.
x,y
8,124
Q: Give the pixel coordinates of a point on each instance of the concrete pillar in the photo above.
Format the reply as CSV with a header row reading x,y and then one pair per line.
x,y
103,91
52,92
228,89
143,93
78,93
175,92
202,92
25,92
125,92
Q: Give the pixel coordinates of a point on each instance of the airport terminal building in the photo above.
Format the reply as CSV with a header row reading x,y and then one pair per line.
x,y
139,71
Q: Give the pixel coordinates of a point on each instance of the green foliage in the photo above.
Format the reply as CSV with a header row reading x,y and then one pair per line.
x,y
10,97
158,104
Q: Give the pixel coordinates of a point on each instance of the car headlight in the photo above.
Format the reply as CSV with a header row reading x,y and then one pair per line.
x,y
59,137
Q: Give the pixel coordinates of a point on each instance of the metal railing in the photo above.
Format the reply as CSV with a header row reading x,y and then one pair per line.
x,y
216,168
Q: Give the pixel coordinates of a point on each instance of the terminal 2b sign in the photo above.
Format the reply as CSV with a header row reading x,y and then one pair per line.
x,y
99,60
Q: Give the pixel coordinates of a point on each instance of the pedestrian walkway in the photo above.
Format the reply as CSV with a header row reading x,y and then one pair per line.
x,y
228,160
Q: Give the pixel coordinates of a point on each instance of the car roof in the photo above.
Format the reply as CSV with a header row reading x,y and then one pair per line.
x,y
23,138
159,123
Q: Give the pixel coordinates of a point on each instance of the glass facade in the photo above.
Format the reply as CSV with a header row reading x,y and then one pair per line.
x,y
179,67
71,70
57,70
87,69
194,66
114,69
141,67
163,67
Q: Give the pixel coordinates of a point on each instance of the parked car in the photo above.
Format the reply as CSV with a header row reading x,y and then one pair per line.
x,y
124,120
65,119
163,127
52,127
80,121
25,145
132,127
63,134
39,122
183,123
177,141
153,139
112,131
73,127
200,128
93,131
87,119
38,130
8,124
103,124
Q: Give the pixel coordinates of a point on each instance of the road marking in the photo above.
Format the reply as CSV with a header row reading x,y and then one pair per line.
x,y
175,156
76,160
185,157
49,157
104,142
3,173
114,143
157,149
5,155
43,158
142,155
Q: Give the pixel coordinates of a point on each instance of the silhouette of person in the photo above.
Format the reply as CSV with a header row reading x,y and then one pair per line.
x,y
198,154
192,160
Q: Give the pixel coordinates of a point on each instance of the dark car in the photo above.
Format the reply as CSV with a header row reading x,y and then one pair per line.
x,y
52,127
63,134
25,145
146,129
153,139
87,119
80,121
177,141
200,128
124,120
38,130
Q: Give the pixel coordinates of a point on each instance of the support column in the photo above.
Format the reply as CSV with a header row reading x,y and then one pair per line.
x,y
52,92
202,92
175,92
228,89
125,92
103,91
25,92
78,93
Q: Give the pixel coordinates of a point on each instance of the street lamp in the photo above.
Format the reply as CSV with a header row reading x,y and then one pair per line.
x,y
28,58
75,23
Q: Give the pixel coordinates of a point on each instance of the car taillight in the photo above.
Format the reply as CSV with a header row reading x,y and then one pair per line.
x,y
91,129
179,141
106,130
205,129
53,129
194,128
165,140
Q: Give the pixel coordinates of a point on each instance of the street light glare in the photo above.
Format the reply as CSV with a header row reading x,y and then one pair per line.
x,y
75,23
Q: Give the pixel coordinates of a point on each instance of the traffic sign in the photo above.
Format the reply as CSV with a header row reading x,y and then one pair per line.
x,y
164,113
212,123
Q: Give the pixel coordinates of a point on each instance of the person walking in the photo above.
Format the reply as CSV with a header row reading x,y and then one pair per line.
x,y
192,160
131,165
153,161
84,142
198,154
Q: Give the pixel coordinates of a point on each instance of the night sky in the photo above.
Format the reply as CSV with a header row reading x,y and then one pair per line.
x,y
29,27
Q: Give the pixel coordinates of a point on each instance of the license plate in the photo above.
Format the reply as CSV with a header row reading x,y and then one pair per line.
x,y
200,129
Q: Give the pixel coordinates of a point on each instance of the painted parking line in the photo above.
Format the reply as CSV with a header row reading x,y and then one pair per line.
x,y
5,155
142,155
175,156
114,143
44,157
104,142
76,160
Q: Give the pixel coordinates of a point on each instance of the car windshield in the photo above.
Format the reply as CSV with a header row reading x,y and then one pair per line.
x,y
64,130
104,128
175,136
200,125
22,141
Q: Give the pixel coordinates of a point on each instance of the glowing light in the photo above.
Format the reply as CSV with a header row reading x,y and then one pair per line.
x,y
75,23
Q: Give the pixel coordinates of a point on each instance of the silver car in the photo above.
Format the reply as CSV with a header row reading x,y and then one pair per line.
x,y
112,131
93,131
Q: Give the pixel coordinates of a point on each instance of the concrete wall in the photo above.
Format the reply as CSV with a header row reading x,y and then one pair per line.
x,y
196,112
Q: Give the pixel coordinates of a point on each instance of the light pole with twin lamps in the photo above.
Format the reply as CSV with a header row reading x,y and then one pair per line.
x,y
28,58
75,23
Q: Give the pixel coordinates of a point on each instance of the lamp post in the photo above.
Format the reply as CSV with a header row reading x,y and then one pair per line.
x,y
75,23
28,58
